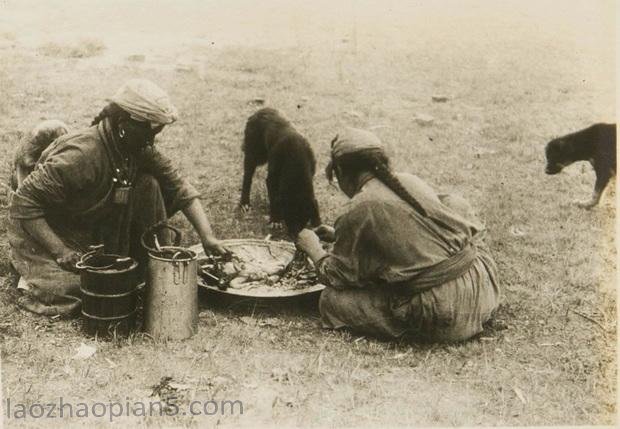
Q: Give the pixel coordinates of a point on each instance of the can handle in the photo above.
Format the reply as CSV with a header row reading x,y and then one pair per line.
x,y
92,250
158,227
179,273
175,273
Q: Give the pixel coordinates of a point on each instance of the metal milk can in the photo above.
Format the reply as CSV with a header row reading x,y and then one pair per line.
x,y
171,297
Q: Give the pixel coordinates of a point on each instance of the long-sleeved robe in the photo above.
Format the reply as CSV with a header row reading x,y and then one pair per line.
x,y
74,187
394,271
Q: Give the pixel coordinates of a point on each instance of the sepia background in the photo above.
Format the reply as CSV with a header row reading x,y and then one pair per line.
x,y
515,74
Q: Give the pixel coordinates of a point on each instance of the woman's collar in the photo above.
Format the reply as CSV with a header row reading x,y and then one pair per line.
x,y
363,179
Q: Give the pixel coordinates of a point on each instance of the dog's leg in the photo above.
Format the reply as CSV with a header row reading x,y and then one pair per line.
x,y
249,166
315,217
273,192
602,179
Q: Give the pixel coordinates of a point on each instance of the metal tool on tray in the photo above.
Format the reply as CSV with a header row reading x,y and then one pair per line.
x,y
212,271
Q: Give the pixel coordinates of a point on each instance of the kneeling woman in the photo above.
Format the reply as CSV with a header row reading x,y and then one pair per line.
x,y
105,184
405,260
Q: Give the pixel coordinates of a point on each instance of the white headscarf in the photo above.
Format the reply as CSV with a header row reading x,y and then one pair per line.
x,y
145,102
353,140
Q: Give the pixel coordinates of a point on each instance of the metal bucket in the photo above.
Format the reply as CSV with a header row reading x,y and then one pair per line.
x,y
171,298
109,288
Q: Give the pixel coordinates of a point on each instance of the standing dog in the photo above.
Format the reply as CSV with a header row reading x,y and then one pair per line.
x,y
596,144
270,138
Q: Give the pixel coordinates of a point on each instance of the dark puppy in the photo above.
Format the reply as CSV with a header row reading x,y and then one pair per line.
x,y
30,149
596,144
270,138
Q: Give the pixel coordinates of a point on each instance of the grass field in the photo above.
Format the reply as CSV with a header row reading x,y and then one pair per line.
x,y
516,76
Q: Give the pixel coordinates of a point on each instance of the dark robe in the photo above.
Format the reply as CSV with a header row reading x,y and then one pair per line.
x,y
394,271
75,188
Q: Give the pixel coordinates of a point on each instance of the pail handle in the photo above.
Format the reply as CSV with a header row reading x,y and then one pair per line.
x,y
158,227
92,250
95,249
176,271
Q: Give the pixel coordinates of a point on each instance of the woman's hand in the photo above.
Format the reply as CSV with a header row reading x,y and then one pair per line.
x,y
325,233
39,229
67,258
213,245
309,243
198,218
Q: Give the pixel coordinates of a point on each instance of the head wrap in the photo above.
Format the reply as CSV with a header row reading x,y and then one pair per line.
x,y
355,140
352,140
145,102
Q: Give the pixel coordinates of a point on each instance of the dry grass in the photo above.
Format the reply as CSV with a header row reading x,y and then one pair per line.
x,y
83,49
540,363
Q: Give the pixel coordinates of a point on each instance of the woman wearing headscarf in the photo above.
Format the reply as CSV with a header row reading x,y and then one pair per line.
x,y
405,260
102,185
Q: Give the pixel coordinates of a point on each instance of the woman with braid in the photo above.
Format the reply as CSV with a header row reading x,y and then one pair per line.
x,y
405,260
105,184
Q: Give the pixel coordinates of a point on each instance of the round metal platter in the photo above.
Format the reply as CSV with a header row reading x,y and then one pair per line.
x,y
284,248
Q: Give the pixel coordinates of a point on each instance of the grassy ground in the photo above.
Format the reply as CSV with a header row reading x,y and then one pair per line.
x,y
514,80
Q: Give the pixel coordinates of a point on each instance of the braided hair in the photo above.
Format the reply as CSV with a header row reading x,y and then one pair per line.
x,y
376,162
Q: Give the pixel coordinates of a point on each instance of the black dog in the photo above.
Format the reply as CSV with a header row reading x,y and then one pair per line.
x,y
270,138
596,144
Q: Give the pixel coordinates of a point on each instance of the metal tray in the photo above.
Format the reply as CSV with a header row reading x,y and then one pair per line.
x,y
289,251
